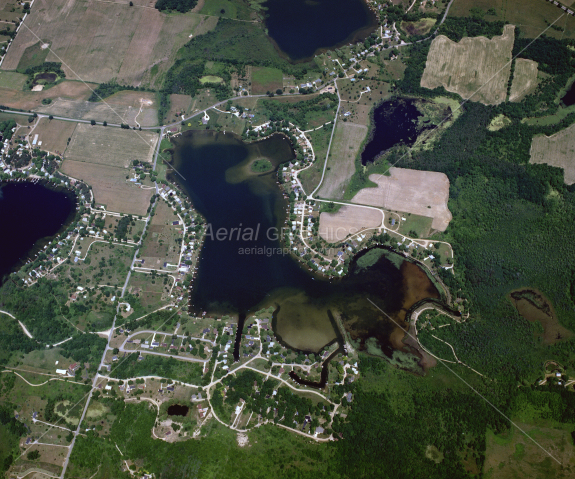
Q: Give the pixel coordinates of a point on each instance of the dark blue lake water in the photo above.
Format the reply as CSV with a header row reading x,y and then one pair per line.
x,y
229,281
302,27
29,213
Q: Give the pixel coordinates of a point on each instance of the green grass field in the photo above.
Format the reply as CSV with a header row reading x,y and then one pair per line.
x,y
12,80
33,56
266,79
234,10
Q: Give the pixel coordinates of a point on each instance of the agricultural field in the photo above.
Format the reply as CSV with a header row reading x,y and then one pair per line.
x,y
533,16
423,193
347,140
54,134
557,150
160,245
335,227
111,146
122,107
110,187
265,79
101,42
524,79
32,100
475,68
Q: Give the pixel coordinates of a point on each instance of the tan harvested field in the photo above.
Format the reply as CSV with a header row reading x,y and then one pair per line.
x,y
556,150
110,187
423,193
53,134
524,79
123,107
111,146
347,140
32,100
101,41
474,68
335,227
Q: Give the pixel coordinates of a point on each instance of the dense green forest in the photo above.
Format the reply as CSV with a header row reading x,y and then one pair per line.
x,y
181,6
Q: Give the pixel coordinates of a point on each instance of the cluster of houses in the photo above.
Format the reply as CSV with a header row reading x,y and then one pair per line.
x,y
562,7
70,372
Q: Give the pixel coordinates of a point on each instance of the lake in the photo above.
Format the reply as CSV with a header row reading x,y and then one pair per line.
x,y
394,122
30,215
223,189
301,28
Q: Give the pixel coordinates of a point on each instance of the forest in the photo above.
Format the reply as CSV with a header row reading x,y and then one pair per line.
x,y
181,6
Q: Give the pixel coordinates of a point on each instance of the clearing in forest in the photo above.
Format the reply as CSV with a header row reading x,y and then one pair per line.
x,y
423,193
475,68
556,150
524,79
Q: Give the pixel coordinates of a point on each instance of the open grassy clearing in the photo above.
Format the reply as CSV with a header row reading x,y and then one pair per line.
x,y
556,150
110,187
420,27
32,100
420,225
111,146
179,105
532,16
34,55
335,227
13,80
160,245
514,455
550,119
423,193
498,122
54,134
152,291
524,79
265,79
228,9
346,143
101,42
319,139
473,68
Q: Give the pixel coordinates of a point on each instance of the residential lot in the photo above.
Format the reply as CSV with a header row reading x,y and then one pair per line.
x,y
110,187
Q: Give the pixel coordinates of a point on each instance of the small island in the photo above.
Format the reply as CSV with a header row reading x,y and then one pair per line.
x,y
261,165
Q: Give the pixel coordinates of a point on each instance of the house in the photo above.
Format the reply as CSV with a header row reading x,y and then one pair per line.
x,y
114,358
170,388
349,397
73,368
319,430
62,372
